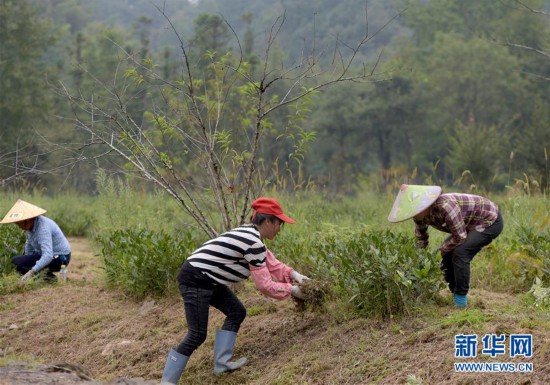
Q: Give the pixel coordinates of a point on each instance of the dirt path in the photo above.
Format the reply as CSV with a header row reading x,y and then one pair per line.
x,y
85,266
81,330
63,325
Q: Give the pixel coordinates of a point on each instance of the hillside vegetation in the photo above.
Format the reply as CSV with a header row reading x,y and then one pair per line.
x,y
113,336
112,330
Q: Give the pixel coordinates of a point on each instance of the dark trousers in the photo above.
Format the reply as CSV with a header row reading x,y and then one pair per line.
x,y
197,303
23,263
456,264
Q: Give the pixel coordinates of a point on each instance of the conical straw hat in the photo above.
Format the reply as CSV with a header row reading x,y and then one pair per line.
x,y
22,210
412,200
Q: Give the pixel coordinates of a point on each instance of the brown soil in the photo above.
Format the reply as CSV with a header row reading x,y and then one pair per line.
x,y
78,331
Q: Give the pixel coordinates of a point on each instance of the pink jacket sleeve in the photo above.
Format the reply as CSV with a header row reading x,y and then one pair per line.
x,y
266,285
277,269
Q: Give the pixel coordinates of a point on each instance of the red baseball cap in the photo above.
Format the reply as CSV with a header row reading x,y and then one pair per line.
x,y
270,206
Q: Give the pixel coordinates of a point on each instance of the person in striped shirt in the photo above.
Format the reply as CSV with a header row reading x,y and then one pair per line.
x,y
46,247
204,278
471,220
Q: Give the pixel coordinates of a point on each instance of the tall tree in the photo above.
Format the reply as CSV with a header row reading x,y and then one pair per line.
x,y
472,80
25,36
467,18
470,155
391,114
533,147
474,76
211,35
94,59
467,82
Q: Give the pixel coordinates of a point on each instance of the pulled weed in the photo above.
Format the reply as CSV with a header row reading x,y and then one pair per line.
x,y
315,295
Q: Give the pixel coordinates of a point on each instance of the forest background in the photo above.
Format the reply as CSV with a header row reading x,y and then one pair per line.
x,y
460,95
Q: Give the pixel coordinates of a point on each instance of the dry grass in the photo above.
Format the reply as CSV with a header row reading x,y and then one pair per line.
x,y
112,336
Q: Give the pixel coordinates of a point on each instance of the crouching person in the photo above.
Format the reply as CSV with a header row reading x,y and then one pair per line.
x,y
46,247
205,276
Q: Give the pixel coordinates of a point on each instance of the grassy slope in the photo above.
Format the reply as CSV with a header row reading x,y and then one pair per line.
x,y
81,322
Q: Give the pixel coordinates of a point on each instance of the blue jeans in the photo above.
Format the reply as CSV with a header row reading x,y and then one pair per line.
x,y
456,264
197,303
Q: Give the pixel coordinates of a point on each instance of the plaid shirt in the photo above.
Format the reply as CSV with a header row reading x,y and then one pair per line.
x,y
456,214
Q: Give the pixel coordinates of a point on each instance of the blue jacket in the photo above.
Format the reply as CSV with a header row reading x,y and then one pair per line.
x,y
47,239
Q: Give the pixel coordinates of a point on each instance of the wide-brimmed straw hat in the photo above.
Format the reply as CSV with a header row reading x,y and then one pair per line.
x,y
22,210
270,206
412,200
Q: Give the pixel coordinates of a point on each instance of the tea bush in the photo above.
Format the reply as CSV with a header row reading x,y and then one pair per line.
x,y
346,240
12,243
382,273
143,262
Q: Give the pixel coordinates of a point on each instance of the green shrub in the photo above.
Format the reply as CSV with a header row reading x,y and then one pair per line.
x,y
381,272
295,250
12,243
531,255
490,269
142,262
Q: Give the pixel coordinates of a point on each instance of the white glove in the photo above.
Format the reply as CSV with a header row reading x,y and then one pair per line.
x,y
297,277
28,275
296,292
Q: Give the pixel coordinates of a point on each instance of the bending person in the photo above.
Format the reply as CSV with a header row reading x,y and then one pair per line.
x,y
205,276
471,220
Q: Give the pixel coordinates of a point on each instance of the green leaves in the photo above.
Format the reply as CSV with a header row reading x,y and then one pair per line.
x,y
381,272
531,260
136,77
143,262
12,243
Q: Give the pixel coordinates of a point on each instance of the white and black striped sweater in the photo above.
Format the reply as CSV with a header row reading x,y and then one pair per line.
x,y
226,258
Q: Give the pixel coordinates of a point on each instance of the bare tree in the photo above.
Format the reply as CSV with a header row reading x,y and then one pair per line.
x,y
22,162
183,142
